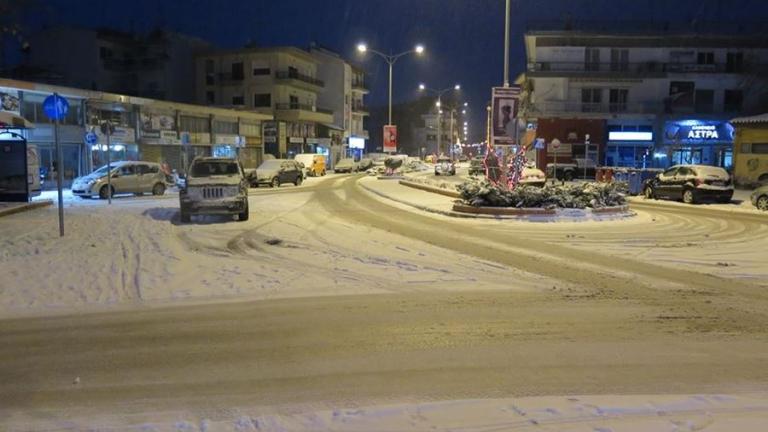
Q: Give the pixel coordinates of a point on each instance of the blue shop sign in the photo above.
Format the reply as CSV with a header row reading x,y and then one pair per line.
x,y
699,131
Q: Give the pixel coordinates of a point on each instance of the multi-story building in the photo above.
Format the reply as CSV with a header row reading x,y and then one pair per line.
x,y
641,100
279,81
426,136
156,65
145,129
344,94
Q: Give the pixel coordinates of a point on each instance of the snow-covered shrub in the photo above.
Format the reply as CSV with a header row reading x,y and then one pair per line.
x,y
481,193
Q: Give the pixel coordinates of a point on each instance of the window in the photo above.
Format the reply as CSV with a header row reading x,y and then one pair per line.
x,y
127,170
237,71
761,148
591,99
706,58
261,71
619,59
705,101
106,53
225,127
195,124
262,100
210,97
681,96
683,171
733,100
734,62
294,101
618,100
210,79
238,100
592,59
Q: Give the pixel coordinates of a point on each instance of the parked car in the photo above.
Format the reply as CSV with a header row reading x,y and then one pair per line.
x,y
134,177
445,166
313,164
364,164
214,186
347,165
477,166
579,168
275,172
759,198
533,176
463,158
691,183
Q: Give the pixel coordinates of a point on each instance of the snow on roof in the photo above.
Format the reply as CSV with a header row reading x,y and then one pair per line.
x,y
762,118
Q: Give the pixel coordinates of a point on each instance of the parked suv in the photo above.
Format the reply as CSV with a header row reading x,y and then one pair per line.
x,y
691,183
134,177
214,186
275,172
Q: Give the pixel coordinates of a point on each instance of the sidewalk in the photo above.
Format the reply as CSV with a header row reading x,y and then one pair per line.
x,y
426,201
9,208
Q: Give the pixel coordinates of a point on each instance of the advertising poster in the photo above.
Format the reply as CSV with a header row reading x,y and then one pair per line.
x,y
504,108
9,100
390,139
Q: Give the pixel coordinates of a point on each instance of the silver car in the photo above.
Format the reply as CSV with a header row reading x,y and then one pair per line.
x,y
134,177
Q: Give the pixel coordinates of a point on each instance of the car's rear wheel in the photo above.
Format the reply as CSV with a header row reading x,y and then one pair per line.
x,y
242,217
648,193
275,182
298,180
106,192
568,176
158,189
762,203
689,197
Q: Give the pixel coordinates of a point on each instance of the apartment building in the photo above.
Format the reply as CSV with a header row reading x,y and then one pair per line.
x,y
156,65
344,94
278,81
641,100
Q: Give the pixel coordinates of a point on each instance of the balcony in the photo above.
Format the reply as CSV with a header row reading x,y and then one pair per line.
x,y
227,78
360,85
360,108
589,109
641,69
303,112
300,80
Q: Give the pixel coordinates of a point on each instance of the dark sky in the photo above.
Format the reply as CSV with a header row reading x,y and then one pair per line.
x,y
464,38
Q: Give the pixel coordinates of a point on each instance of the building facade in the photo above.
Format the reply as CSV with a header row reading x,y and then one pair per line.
x,y
156,65
281,82
344,94
750,150
145,129
641,100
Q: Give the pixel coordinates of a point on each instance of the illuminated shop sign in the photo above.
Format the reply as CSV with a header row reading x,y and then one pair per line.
x,y
630,136
699,131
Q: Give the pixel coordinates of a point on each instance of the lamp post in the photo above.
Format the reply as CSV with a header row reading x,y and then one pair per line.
x,y
439,94
390,59
506,44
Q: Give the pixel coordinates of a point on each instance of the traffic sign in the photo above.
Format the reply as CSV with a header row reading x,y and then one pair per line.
x,y
55,107
540,145
555,143
91,138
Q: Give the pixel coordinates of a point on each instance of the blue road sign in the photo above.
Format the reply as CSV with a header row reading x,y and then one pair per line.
x,y
91,138
55,107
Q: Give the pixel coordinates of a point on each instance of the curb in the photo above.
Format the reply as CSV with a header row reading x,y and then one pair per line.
x,y
640,202
507,211
420,207
433,189
25,207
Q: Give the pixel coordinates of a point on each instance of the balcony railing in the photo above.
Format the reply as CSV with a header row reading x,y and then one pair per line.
x,y
304,107
642,68
358,107
550,107
360,85
286,75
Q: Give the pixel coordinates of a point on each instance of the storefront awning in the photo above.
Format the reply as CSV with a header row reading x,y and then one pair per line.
x,y
9,120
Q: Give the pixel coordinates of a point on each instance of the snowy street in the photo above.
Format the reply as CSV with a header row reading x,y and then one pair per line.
x,y
331,296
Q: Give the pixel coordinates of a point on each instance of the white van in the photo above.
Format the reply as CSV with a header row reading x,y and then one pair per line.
x,y
33,170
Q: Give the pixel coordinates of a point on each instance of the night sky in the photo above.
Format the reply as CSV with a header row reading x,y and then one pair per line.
x,y
464,38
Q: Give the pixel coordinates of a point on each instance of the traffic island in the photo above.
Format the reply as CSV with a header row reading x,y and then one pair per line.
x,y
9,208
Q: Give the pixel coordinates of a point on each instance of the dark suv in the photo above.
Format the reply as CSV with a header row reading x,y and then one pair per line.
x,y
275,172
691,183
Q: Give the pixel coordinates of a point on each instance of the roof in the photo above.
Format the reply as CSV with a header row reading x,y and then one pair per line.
x,y
298,52
762,118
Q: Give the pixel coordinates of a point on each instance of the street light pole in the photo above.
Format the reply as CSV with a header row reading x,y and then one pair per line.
x,y
506,44
390,59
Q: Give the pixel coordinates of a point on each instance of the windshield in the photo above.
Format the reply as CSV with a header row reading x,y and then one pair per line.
x,y
101,172
214,168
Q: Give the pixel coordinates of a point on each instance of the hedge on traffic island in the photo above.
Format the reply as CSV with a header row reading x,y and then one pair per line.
x,y
596,196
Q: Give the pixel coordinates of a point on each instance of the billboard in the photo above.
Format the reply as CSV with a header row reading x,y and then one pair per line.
x,y
390,139
504,108
356,143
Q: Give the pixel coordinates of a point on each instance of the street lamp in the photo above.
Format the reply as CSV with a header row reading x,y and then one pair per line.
x,y
390,59
440,94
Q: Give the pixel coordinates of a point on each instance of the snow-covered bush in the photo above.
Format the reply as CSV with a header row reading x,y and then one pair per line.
x,y
482,193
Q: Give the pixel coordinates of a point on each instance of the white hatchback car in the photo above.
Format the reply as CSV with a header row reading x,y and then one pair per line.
x,y
136,177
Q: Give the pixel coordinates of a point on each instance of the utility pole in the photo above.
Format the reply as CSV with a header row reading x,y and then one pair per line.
x,y
506,44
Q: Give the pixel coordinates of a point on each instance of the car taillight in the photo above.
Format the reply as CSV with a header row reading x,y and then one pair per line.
x,y
698,182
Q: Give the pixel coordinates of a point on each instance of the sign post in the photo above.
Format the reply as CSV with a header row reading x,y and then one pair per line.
x,y
556,146
56,108
107,128
586,154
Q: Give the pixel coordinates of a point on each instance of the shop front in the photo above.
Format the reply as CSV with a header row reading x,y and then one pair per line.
x,y
160,142
698,142
569,139
76,155
629,145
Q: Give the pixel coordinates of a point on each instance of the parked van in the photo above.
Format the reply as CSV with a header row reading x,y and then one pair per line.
x,y
314,164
